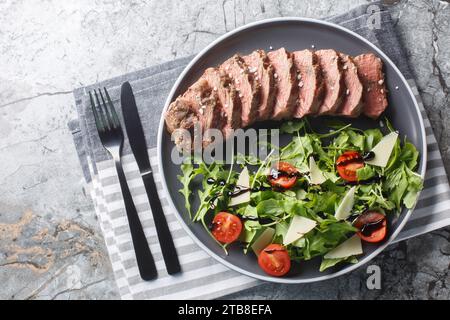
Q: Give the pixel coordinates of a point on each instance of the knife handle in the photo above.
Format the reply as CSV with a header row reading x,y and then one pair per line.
x,y
144,257
162,229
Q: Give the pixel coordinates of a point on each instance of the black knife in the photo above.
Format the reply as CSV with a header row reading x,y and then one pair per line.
x,y
139,146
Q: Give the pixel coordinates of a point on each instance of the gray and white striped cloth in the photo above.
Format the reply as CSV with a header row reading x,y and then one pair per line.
x,y
199,269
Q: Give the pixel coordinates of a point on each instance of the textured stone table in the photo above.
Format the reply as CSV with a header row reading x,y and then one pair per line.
x,y
50,243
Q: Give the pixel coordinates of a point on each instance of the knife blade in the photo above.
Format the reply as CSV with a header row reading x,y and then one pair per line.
x,y
138,145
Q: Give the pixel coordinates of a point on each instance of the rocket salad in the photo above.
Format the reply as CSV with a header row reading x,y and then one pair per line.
x,y
320,195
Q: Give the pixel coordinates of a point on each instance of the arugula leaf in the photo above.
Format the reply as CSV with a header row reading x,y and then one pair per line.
x,y
292,126
409,155
269,208
356,139
185,179
373,136
328,263
365,173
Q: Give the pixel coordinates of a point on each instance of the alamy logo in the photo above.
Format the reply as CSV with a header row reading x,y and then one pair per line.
x,y
213,145
374,280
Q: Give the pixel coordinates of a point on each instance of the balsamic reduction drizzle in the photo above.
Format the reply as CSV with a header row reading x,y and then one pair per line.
x,y
371,227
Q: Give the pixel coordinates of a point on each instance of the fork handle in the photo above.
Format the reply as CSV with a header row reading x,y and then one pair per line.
x,y
145,261
162,229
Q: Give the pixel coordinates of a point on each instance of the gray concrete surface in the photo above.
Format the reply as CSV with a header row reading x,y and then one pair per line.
x,y
50,243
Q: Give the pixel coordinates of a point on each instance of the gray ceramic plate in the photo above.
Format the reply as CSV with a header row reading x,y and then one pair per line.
x,y
293,34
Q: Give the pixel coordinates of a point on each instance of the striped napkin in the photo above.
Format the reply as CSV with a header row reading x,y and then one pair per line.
x,y
151,87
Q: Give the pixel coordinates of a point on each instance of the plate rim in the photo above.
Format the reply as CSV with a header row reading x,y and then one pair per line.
x,y
186,228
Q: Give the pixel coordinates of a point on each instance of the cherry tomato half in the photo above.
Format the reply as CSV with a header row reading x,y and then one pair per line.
x,y
283,175
226,227
347,165
372,226
275,260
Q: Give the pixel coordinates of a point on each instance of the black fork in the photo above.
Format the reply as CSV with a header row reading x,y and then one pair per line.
x,y
111,136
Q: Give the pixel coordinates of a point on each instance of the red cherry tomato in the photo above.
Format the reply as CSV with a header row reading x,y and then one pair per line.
x,y
226,227
372,226
347,165
275,260
284,175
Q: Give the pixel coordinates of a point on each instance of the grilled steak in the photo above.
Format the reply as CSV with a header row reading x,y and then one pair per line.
x,y
206,102
228,97
330,64
259,65
310,83
181,114
285,79
370,71
352,103
275,86
246,85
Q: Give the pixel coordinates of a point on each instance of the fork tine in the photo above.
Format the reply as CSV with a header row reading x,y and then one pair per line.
x,y
98,121
107,110
101,112
115,118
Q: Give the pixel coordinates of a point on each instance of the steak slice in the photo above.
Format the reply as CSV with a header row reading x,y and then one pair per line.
x,y
352,104
247,86
370,71
310,83
182,114
285,79
258,64
206,103
228,97
330,64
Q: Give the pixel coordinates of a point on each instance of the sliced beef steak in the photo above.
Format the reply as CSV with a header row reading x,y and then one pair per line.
x,y
182,114
330,64
310,83
228,97
258,64
352,103
205,100
247,86
370,71
285,79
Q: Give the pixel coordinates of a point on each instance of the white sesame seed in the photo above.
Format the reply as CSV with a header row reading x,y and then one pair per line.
x,y
240,95
275,75
299,77
256,78
368,89
331,88
396,87
382,91
345,67
347,92
225,105
270,47
201,111
215,88
313,46
300,84
380,82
